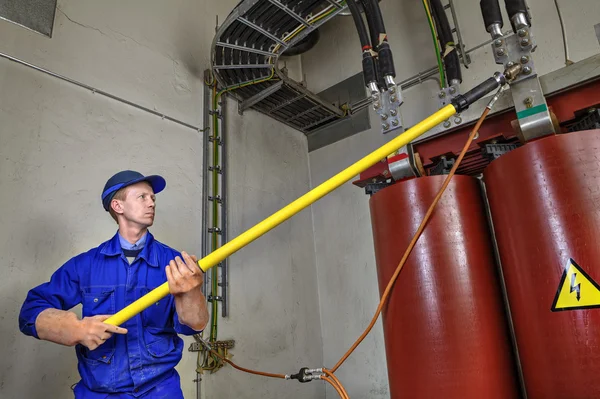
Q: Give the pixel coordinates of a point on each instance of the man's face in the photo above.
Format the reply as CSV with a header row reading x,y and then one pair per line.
x,y
139,204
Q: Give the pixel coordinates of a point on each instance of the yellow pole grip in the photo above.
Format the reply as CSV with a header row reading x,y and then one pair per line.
x,y
290,210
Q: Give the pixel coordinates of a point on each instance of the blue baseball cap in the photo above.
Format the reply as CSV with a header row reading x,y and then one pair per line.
x,y
126,178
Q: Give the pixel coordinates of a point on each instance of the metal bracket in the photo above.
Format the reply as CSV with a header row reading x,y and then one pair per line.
x,y
533,116
214,230
219,141
516,48
530,104
405,167
215,168
445,97
388,109
446,94
465,58
215,198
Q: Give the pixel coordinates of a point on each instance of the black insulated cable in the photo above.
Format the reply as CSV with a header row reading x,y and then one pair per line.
x,y
379,38
446,39
514,7
490,10
363,36
368,63
375,19
370,16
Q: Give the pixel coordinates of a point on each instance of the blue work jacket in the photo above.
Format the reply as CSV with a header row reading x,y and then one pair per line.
x,y
104,282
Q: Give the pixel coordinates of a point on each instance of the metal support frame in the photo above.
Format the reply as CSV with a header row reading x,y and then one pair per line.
x,y
244,48
335,4
242,66
263,31
258,97
205,155
313,98
289,12
223,41
286,103
205,198
301,114
466,60
224,284
234,86
220,197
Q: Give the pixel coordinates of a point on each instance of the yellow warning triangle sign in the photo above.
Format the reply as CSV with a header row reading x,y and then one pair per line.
x,y
576,290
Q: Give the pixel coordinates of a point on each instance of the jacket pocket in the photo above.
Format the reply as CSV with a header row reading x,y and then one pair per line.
x,y
101,355
97,368
158,342
97,301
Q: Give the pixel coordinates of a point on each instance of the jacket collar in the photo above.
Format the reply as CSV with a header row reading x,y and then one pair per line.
x,y
149,253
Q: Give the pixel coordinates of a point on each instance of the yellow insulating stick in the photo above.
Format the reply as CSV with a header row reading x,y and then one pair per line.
x,y
290,210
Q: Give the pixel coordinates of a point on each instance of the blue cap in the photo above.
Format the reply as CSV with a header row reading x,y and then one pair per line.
x,y
126,178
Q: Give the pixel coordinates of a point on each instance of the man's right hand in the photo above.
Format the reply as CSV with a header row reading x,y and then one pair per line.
x,y
94,332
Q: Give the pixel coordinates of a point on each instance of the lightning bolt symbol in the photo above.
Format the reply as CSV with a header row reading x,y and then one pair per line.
x,y
576,288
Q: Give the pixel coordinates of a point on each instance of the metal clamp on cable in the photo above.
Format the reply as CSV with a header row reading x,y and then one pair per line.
x,y
301,376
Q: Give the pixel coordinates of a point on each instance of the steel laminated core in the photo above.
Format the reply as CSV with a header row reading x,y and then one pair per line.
x,y
446,332
545,204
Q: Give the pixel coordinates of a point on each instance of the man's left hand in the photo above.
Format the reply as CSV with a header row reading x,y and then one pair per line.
x,y
184,275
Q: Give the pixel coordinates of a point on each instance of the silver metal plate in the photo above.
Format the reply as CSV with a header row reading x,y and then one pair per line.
x,y
389,111
532,110
513,50
37,15
403,168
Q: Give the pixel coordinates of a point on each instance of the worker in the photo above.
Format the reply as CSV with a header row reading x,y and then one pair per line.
x,y
136,359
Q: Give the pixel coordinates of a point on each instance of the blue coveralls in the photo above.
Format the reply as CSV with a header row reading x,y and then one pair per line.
x,y
139,364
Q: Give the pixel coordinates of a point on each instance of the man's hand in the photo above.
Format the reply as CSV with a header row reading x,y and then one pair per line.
x,y
65,328
94,332
185,284
184,277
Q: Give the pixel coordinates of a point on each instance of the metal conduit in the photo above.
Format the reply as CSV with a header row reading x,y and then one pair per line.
x,y
101,92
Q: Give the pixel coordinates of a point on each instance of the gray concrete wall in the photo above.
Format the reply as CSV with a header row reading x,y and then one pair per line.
x,y
344,247
347,277
59,143
275,309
